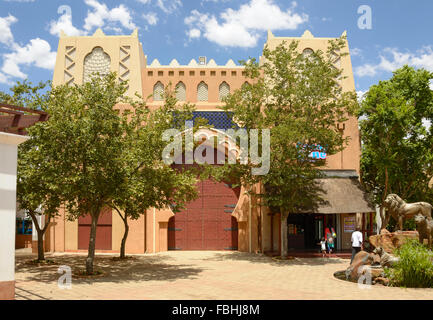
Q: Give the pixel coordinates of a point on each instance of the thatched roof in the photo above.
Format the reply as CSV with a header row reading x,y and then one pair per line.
x,y
344,194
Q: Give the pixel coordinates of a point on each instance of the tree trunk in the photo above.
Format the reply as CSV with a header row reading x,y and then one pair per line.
x,y
284,239
41,253
40,232
125,236
92,243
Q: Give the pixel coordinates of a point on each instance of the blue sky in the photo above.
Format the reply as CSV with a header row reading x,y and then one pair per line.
x,y
401,31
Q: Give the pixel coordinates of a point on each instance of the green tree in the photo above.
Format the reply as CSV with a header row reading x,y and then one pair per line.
x,y
25,94
85,141
36,192
147,182
299,98
396,146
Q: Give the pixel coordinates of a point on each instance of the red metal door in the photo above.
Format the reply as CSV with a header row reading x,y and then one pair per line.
x,y
103,231
206,223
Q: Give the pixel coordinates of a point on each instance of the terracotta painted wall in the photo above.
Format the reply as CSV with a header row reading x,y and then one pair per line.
x,y
23,241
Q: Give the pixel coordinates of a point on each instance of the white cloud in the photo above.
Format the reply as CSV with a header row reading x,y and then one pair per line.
x,y
392,59
98,17
144,1
6,36
169,6
355,52
37,52
194,33
366,70
151,18
64,23
360,94
101,14
4,79
243,27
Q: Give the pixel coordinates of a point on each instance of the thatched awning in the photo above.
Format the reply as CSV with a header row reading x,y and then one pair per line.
x,y
343,194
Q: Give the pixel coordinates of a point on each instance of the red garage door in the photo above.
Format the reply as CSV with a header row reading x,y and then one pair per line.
x,y
206,223
103,231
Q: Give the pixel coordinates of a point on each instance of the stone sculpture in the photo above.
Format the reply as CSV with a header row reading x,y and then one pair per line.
x,y
400,210
386,259
424,226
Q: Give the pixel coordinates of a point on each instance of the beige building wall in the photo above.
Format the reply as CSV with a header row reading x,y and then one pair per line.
x,y
349,158
149,233
125,53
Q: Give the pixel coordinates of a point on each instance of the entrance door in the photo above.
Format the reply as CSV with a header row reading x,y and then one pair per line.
x,y
206,223
103,231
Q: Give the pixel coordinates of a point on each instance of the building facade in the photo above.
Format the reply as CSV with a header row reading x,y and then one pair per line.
x,y
223,217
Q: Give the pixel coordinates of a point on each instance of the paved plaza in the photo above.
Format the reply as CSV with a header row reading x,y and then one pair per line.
x,y
194,275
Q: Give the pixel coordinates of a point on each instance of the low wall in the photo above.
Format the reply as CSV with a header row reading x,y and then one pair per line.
x,y
23,241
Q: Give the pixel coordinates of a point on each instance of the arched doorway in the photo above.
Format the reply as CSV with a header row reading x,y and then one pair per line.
x,y
207,222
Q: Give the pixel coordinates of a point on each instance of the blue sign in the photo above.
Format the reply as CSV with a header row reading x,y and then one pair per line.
x,y
319,152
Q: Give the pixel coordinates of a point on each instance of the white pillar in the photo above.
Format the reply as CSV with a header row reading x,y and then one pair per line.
x,y
8,175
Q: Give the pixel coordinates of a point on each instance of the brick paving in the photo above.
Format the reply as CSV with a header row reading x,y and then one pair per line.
x,y
194,275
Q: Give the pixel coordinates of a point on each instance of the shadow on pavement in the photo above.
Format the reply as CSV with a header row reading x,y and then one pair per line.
x,y
140,268
261,258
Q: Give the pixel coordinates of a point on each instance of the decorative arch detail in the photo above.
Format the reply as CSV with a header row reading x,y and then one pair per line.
x,y
181,91
96,62
202,92
158,91
224,90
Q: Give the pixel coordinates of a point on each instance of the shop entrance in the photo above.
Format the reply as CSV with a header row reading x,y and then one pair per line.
x,y
305,231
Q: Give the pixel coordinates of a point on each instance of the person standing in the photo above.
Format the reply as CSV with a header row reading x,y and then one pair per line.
x,y
356,243
330,237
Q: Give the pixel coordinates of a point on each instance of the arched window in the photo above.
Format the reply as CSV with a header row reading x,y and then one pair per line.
x,y
246,94
246,84
95,62
224,90
181,91
307,52
158,92
202,92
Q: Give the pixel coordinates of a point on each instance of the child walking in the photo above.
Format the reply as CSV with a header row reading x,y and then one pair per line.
x,y
323,246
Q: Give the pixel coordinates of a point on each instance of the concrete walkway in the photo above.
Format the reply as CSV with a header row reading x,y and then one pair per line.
x,y
200,275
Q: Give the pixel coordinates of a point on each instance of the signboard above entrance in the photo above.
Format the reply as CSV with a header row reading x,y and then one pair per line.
x,y
349,224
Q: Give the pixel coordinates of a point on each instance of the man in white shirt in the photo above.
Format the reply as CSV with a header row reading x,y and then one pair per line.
x,y
356,243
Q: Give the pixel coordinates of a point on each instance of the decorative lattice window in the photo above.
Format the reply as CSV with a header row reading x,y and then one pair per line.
x,y
224,90
158,91
217,119
181,91
202,92
96,62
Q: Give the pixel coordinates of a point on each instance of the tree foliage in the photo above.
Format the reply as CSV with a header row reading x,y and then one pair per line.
x,y
103,149
36,188
396,145
147,182
299,98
